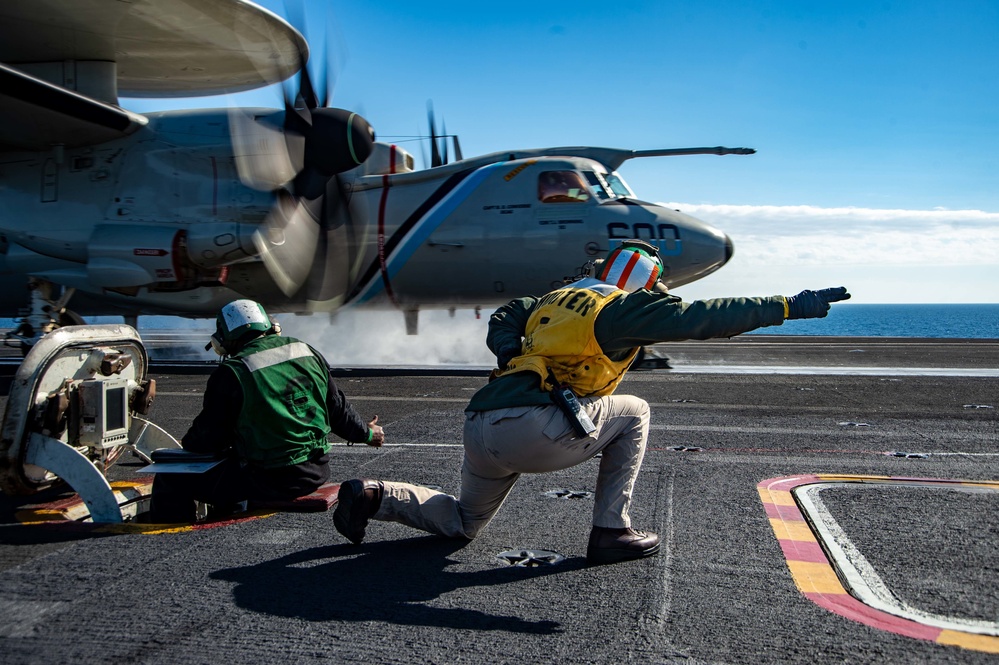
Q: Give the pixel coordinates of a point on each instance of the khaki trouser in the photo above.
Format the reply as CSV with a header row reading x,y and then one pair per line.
x,y
504,443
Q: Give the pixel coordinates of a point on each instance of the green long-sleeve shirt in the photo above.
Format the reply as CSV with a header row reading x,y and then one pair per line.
x,y
635,319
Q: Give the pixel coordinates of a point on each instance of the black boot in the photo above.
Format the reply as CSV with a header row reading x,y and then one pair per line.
x,y
613,545
357,502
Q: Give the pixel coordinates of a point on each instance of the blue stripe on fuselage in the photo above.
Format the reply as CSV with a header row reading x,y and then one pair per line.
x,y
422,229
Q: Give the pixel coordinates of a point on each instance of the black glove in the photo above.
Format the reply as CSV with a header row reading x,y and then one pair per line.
x,y
814,304
506,354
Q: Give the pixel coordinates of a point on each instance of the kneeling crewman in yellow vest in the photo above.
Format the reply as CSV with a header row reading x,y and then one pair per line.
x,y
267,410
551,404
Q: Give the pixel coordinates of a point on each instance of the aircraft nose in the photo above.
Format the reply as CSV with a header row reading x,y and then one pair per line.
x,y
701,250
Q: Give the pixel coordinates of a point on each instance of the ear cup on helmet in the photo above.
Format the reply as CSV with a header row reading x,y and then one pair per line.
x,y
217,345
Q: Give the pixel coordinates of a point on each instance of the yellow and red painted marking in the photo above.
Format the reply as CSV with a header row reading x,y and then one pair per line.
x,y
68,512
815,576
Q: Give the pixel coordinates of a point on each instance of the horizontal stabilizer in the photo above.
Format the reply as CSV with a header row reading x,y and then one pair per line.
x,y
36,115
612,158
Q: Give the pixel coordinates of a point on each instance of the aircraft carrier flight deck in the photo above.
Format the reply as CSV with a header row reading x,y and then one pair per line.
x,y
820,500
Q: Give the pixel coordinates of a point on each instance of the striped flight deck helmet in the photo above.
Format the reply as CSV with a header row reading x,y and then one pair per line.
x,y
631,268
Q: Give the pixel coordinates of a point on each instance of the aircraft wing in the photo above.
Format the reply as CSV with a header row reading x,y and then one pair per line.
x,y
35,115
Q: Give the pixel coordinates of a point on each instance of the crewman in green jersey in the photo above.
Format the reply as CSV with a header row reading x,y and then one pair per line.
x,y
267,411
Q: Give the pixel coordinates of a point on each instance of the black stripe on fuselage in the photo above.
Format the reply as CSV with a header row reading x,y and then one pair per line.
x,y
375,266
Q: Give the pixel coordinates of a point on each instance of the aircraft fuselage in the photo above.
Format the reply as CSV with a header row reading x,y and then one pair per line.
x,y
160,222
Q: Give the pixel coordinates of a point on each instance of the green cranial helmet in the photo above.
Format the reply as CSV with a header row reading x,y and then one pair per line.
x,y
237,323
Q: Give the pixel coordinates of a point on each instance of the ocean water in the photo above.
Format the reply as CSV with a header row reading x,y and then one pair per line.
x,y
843,320
849,320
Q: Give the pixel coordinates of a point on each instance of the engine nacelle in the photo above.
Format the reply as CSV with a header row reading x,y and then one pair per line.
x,y
213,245
386,159
131,255
121,255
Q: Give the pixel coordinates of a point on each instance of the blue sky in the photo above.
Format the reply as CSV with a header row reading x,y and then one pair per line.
x,y
876,123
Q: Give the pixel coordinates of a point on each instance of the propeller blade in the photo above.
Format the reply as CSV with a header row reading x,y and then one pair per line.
x,y
329,278
327,286
296,235
253,39
444,139
287,242
266,157
260,151
324,71
435,154
423,147
457,149
305,241
297,117
330,66
306,91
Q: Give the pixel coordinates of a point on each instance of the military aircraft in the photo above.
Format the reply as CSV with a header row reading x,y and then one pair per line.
x,y
300,208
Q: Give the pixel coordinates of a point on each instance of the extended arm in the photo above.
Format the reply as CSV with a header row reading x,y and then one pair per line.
x,y
345,421
646,318
813,304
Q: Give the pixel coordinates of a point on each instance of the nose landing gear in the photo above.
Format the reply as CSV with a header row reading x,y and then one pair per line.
x,y
45,313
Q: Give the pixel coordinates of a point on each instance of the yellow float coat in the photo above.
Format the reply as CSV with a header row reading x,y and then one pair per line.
x,y
559,336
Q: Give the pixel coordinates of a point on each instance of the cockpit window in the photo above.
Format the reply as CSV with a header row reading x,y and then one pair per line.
x,y
596,186
618,186
561,187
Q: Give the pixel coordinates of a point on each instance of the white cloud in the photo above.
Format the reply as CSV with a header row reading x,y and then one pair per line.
x,y
889,255
806,235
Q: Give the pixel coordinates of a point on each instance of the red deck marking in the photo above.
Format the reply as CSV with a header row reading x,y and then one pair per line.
x,y
65,513
811,552
815,575
851,608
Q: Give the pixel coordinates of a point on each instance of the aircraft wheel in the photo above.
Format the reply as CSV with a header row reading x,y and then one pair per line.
x,y
70,318
66,318
23,332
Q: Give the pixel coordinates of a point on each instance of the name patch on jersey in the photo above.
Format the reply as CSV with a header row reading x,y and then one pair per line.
x,y
575,300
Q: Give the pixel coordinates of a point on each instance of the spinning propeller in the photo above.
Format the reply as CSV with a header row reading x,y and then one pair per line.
x,y
436,156
304,241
